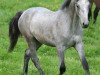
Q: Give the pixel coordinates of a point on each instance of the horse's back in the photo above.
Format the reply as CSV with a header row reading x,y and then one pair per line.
x,y
37,10
29,14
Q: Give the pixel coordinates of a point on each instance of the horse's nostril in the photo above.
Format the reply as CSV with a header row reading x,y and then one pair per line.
x,y
83,23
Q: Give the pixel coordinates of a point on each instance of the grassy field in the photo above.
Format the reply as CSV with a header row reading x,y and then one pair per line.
x,y
12,63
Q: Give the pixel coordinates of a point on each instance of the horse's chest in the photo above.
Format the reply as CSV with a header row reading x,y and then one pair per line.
x,y
69,41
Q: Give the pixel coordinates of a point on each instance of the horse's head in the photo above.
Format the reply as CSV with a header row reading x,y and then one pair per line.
x,y
82,9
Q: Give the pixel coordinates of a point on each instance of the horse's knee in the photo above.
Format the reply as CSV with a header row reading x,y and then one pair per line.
x,y
62,68
27,56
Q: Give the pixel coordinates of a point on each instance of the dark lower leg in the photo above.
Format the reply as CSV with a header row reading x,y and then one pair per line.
x,y
85,66
90,14
62,68
96,11
26,60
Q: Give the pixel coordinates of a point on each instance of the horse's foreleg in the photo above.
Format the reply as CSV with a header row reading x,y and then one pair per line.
x,y
26,60
79,48
61,59
96,11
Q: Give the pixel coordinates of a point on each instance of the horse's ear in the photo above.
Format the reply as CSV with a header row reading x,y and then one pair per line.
x,y
66,4
90,1
77,0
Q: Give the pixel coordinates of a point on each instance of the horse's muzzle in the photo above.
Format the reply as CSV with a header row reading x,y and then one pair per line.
x,y
85,25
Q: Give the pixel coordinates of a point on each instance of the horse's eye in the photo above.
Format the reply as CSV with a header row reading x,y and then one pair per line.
x,y
77,6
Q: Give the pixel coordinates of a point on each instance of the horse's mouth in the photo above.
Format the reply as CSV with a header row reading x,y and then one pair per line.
x,y
85,26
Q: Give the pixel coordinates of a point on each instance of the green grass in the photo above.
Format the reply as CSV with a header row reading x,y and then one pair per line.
x,y
11,63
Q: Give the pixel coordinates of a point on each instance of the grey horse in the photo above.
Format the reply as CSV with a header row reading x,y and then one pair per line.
x,y
61,29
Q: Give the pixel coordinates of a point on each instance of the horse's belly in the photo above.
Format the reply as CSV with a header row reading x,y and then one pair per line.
x,y
47,40
42,34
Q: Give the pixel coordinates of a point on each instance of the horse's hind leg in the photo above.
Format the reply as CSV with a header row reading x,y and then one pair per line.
x,y
33,45
96,11
79,48
26,60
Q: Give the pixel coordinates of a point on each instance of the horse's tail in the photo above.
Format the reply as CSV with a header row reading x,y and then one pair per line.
x,y
14,31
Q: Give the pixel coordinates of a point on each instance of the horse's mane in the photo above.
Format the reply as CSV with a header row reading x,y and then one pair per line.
x,y
65,4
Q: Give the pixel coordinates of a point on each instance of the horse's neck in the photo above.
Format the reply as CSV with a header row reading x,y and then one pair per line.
x,y
75,22
75,19
73,25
